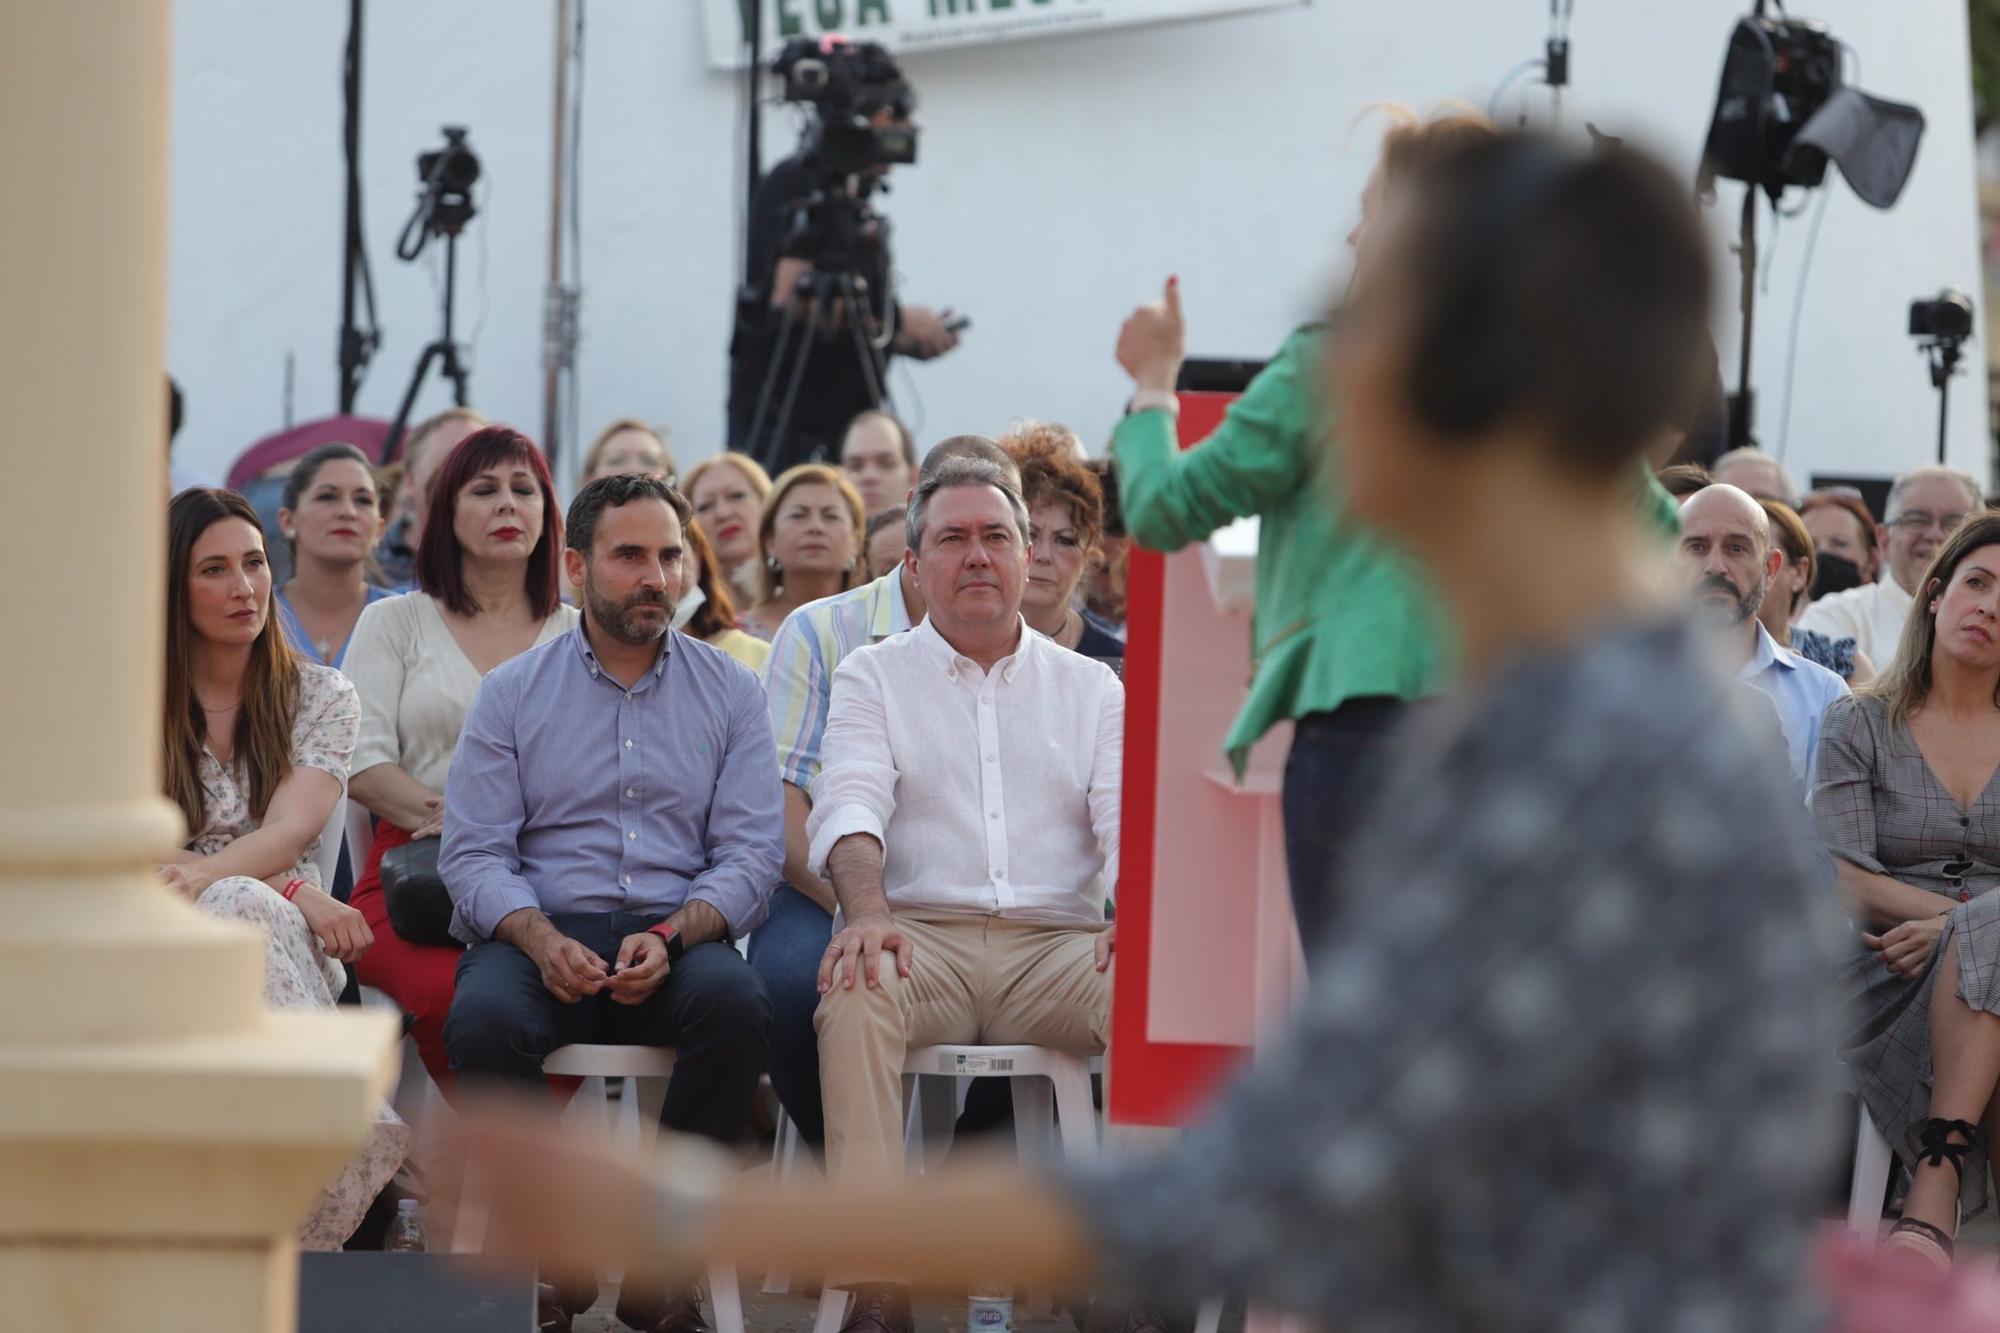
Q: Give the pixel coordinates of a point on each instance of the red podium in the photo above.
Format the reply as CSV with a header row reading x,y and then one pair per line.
x,y
1208,956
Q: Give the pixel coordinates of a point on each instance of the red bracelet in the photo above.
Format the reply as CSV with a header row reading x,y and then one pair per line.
x,y
292,887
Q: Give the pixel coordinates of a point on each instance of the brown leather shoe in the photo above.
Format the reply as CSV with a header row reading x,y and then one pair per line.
x,y
675,1310
883,1308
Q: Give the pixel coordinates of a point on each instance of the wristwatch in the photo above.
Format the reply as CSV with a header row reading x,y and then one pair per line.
x,y
676,946
1163,400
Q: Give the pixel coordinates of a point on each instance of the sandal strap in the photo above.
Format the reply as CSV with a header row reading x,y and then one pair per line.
x,y
1935,1148
1910,1226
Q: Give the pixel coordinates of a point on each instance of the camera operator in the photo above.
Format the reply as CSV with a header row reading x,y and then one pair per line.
x,y
810,226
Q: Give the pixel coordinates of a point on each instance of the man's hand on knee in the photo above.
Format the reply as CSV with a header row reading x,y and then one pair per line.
x,y
642,965
862,942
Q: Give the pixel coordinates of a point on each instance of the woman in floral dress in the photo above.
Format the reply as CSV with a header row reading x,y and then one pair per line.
x,y
257,746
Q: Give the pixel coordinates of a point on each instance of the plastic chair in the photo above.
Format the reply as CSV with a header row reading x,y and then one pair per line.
x,y
646,1070
1044,1083
326,857
1873,1160
360,835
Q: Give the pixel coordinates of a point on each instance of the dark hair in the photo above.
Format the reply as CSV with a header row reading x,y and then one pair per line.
x,y
905,442
263,740
1556,286
968,446
440,567
892,517
615,492
1681,480
1107,484
717,611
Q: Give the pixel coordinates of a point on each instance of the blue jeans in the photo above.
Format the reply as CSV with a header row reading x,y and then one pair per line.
x,y
786,951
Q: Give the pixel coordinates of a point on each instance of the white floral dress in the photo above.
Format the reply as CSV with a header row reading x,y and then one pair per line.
x,y
297,973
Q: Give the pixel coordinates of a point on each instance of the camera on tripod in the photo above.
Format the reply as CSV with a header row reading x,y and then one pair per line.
x,y
452,169
847,83
1946,317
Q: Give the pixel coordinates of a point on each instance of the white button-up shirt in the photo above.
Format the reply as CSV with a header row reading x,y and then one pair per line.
x,y
1872,615
991,792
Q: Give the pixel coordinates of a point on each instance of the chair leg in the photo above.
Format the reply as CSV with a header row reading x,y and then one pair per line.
x,y
725,1297
784,1153
647,1097
937,1096
1873,1159
832,1310
469,1235
1208,1318
1078,1116
1034,1139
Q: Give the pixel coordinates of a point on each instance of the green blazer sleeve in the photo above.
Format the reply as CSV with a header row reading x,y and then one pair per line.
x,y
1256,458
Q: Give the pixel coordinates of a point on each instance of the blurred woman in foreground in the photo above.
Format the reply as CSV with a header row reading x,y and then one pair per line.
x,y
1569,1077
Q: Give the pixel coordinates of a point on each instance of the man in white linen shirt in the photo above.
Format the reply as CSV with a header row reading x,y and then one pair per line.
x,y
967,815
1924,506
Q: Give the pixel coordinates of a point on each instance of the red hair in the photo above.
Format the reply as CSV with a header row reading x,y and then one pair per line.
x,y
440,568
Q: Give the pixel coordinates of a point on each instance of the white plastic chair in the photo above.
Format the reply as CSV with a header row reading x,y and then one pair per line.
x,y
360,835
1873,1160
326,857
1044,1082
645,1070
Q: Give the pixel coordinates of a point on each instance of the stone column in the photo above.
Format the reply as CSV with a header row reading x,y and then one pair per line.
x,y
161,1134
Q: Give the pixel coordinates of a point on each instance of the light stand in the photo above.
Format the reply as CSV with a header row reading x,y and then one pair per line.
x,y
1944,355
444,206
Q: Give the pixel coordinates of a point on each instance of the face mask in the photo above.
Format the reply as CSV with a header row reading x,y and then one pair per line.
x,y
688,606
1836,574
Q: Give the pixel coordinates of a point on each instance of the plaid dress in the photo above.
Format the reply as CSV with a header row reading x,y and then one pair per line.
x,y
1878,805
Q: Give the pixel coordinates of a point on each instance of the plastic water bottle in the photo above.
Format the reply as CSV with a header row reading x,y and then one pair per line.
x,y
990,1309
406,1233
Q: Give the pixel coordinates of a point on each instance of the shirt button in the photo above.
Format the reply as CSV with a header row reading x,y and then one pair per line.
x,y
628,881
1000,873
633,836
989,758
1964,821
631,792
993,814
628,696
628,742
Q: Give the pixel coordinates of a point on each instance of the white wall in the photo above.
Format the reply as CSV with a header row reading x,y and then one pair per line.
x,y
1061,181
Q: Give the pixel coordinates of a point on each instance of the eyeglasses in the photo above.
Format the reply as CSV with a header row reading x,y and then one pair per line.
x,y
1918,521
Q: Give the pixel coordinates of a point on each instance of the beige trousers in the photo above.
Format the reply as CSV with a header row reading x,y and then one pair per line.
x,y
982,979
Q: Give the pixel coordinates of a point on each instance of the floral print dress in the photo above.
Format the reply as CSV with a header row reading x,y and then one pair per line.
x,y
297,973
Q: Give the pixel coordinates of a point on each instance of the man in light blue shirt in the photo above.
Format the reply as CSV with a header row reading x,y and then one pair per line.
x,y
1729,560
612,822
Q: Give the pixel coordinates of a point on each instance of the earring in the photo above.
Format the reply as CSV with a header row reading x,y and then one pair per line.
x,y
777,570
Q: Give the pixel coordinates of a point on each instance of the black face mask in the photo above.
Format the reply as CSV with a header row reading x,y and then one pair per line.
x,y
1836,574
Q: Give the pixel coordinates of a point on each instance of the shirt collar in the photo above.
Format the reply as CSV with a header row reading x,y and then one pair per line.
x,y
589,654
1766,656
955,664
887,613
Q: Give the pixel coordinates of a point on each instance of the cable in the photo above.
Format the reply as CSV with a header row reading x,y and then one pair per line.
x,y
1514,74
1798,307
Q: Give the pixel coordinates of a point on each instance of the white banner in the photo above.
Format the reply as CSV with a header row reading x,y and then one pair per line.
x,y
918,25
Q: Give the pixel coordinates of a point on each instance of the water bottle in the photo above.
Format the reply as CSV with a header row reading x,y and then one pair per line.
x,y
990,1309
406,1233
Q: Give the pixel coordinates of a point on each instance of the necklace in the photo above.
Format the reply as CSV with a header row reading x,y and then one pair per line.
x,y
1062,635
226,708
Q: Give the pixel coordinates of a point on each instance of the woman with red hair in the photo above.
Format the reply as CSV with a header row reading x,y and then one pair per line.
x,y
488,589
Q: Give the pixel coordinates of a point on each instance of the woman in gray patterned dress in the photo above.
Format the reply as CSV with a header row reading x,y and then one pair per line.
x,y
1907,798
1559,1070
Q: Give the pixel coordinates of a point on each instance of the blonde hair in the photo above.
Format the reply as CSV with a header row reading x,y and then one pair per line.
x,y
1414,141
1028,437
770,582
759,479
618,427
1906,682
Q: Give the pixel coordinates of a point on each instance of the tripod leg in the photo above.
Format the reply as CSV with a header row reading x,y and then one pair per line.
x,y
753,443
874,370
775,443
431,353
454,370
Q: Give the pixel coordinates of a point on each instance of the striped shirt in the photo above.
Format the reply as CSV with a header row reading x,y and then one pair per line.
x,y
808,647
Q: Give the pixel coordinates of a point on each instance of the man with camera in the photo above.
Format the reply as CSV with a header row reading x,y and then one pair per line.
x,y
817,320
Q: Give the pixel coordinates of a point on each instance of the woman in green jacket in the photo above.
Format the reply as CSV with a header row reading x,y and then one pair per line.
x,y
1345,633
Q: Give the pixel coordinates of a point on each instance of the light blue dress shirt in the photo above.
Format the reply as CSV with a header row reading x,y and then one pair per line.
x,y
570,793
1802,691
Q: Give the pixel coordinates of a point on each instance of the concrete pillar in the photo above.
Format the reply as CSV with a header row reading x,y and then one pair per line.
x,y
161,1134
